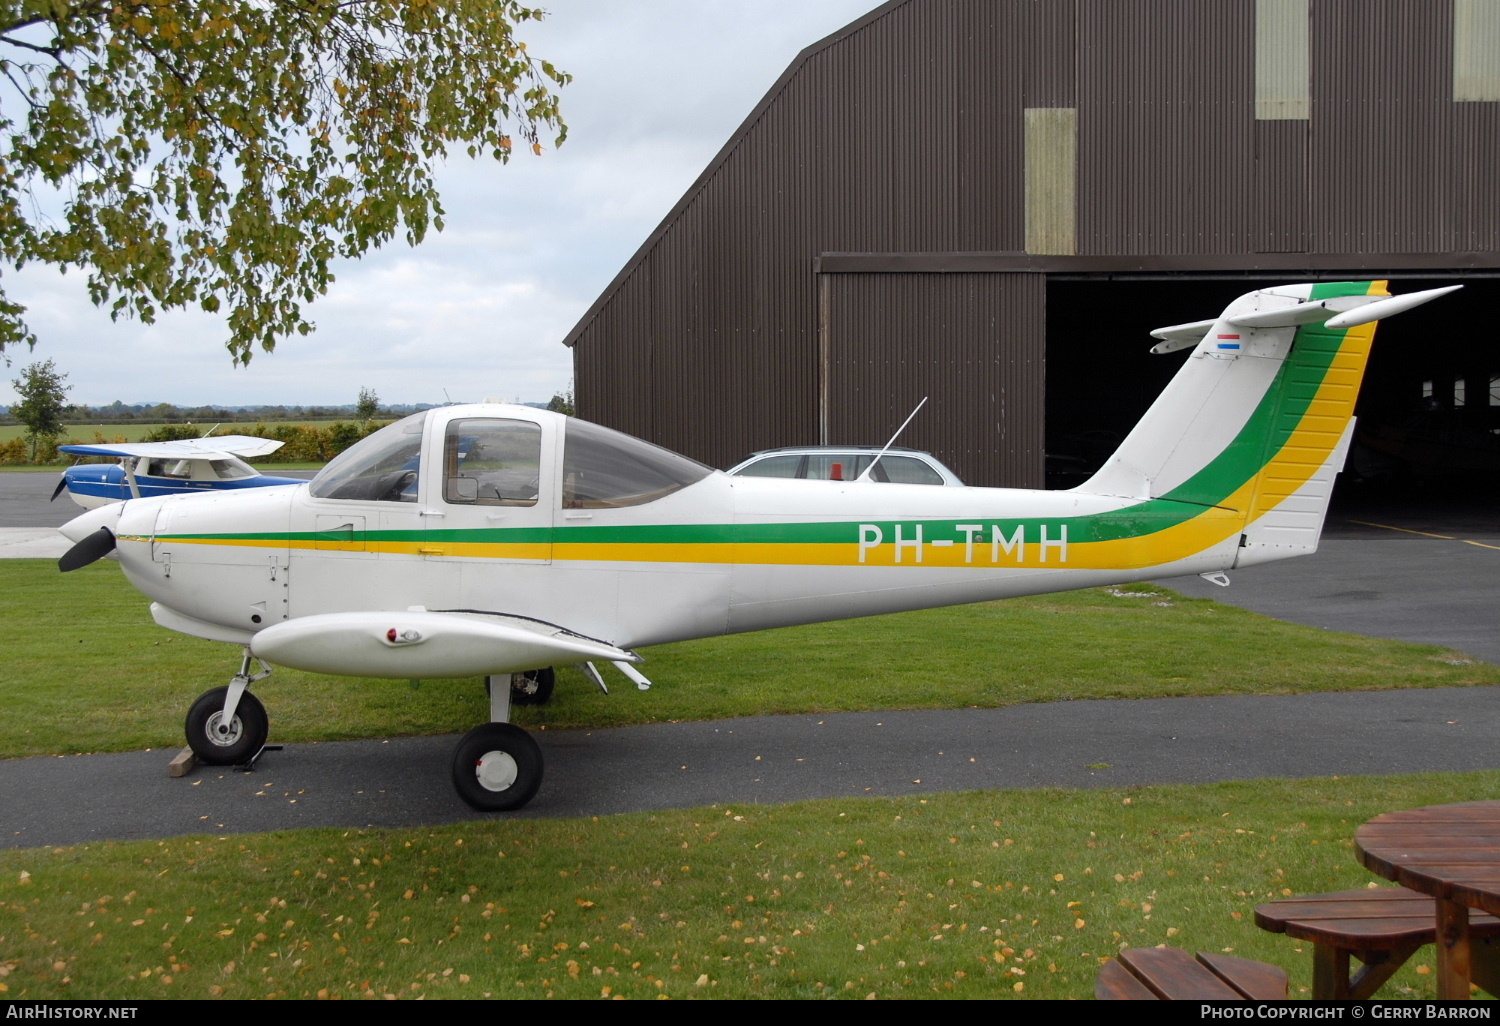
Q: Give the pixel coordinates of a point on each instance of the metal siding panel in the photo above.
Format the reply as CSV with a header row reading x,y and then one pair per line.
x,y
1281,202
990,175
1382,126
1047,48
971,343
1476,197
1166,149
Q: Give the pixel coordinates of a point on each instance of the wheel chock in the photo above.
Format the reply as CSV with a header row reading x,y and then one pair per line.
x,y
182,764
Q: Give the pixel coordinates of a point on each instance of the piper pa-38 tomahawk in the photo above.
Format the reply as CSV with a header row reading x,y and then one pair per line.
x,y
489,539
149,469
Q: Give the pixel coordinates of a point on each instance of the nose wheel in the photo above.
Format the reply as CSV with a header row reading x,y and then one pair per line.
x,y
220,741
228,726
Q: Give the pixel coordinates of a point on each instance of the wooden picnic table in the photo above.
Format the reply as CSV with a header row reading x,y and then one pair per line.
x,y
1451,852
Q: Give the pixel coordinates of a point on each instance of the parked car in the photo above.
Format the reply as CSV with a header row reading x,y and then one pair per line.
x,y
847,462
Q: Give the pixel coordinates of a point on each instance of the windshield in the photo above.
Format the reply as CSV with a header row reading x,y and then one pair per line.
x,y
232,468
604,468
382,467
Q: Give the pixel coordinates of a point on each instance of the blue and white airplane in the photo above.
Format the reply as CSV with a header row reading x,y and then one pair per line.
x,y
152,469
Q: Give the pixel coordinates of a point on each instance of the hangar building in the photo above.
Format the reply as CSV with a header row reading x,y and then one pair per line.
x,y
991,202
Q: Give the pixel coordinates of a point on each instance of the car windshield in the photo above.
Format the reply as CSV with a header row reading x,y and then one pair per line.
x,y
774,466
382,467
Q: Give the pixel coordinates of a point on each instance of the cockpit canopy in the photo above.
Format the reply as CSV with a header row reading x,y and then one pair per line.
x,y
604,468
488,458
381,467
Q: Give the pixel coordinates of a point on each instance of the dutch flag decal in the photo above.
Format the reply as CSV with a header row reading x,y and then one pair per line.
x,y
1229,342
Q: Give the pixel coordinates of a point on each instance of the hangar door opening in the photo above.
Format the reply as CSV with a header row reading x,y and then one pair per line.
x,y
971,343
1428,413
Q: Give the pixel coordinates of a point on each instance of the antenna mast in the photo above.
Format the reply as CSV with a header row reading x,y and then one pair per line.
x,y
892,442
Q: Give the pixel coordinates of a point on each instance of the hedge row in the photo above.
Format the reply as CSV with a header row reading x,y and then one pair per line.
x,y
302,443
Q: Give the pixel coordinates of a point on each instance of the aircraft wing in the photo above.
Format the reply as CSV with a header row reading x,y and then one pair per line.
x,y
420,643
213,448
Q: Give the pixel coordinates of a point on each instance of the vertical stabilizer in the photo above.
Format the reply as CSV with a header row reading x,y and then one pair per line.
x,y
1259,418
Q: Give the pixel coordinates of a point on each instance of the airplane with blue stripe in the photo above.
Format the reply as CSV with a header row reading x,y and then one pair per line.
x,y
149,470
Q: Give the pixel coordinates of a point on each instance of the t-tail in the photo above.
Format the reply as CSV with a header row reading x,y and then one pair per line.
x,y
1257,422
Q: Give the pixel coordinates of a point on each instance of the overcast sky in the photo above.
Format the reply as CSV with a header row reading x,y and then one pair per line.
x,y
480,309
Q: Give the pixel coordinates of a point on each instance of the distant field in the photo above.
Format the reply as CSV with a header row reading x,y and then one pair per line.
x,y
135,432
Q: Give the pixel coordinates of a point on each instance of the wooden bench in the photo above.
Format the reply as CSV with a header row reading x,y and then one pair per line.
x,y
1171,974
1382,927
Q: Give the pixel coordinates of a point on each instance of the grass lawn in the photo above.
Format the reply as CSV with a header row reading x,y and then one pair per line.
x,y
985,894
976,895
85,669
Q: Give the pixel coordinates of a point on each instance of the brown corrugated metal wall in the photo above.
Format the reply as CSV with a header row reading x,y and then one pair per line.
x,y
899,143
958,340
1165,126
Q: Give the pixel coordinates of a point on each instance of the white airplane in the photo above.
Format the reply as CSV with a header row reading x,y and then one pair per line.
x,y
493,539
150,469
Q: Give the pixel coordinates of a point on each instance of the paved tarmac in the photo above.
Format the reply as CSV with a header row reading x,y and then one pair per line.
x,y
405,782
1421,571
23,500
1425,571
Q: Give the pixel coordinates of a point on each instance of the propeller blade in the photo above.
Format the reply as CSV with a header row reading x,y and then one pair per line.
x,y
96,546
62,484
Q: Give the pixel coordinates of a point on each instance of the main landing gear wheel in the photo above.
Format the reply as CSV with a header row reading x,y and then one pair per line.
x,y
219,744
497,767
533,687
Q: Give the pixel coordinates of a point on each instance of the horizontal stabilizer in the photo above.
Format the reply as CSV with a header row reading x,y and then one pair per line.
x,y
1336,312
1387,307
1180,336
420,643
215,448
1302,313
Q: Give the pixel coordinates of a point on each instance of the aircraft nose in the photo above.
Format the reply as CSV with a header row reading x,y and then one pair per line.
x,y
88,522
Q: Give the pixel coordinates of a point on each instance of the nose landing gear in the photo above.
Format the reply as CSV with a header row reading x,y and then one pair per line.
x,y
228,726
